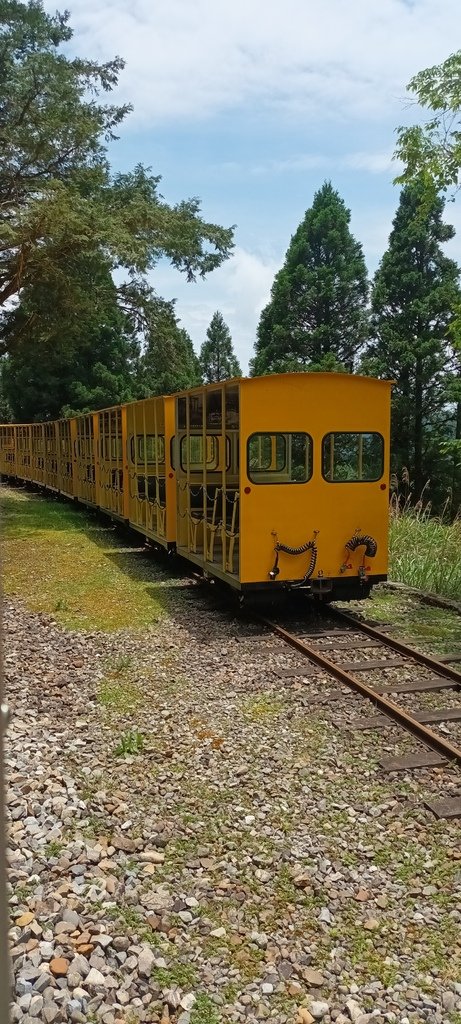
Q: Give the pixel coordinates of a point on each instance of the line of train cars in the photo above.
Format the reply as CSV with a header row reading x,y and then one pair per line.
x,y
265,483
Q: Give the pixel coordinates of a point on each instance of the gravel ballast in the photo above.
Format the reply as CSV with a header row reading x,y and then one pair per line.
x,y
193,838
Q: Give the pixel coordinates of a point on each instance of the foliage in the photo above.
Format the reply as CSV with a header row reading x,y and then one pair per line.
x,y
204,1011
217,358
415,293
130,743
431,152
424,549
317,316
86,362
58,198
168,362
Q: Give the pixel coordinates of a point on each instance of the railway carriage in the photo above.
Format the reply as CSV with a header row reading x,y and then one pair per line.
x,y
282,481
150,480
265,483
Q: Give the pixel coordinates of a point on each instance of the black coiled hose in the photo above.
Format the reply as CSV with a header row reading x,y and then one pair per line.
x,y
308,546
371,546
295,551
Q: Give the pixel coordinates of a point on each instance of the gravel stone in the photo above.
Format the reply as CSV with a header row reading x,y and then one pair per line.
x,y
146,961
319,1009
247,826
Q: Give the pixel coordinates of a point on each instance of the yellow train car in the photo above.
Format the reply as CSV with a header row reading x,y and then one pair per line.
x,y
268,483
151,491
282,481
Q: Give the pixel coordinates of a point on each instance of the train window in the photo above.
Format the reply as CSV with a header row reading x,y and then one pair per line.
x,y
111,448
181,413
195,411
214,409
349,457
195,449
280,458
156,490
151,451
232,408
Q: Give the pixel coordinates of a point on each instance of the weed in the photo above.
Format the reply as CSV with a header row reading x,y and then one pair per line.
x,y
134,923
424,549
23,892
180,974
53,849
204,1011
131,742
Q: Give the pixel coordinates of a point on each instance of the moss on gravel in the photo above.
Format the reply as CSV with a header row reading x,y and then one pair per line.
x,y
431,629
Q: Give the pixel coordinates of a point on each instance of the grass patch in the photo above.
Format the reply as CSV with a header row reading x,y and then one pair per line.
x,y
425,550
119,695
263,707
65,562
131,922
180,974
53,849
204,1011
432,629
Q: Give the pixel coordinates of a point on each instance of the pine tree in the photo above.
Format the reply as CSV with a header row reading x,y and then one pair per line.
x,y
414,299
317,317
168,362
217,357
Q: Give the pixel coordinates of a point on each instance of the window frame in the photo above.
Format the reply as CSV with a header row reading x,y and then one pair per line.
x,y
373,480
199,467
278,483
217,436
134,443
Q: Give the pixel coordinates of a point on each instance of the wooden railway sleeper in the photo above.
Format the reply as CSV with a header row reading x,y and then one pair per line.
x,y
400,715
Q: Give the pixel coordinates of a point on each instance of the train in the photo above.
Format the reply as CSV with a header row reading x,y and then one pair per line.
x,y
267,484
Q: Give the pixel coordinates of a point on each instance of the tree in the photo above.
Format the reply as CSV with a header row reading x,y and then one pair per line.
x,y
57,194
317,317
59,364
217,357
431,152
414,300
168,362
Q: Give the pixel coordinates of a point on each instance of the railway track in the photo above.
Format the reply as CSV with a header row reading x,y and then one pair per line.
x,y
338,651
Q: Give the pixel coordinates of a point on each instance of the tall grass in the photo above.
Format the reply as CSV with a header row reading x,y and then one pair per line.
x,y
425,550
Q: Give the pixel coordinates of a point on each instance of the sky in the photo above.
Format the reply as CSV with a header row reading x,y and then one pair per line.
x,y
250,105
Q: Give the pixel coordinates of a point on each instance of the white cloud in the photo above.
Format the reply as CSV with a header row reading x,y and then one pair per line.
x,y
375,162
239,289
191,59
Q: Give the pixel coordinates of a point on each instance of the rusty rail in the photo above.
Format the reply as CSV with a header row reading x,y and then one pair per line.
x,y
400,715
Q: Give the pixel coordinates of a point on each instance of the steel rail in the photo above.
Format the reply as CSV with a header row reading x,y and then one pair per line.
x,y
388,707
423,659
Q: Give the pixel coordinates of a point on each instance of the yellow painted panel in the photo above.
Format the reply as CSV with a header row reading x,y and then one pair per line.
x,y
330,513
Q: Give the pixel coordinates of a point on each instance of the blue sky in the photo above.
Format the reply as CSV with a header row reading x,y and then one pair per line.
x,y
250,105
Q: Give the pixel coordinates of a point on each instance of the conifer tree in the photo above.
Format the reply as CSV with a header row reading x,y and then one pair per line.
x,y
59,363
168,362
414,300
217,357
317,317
